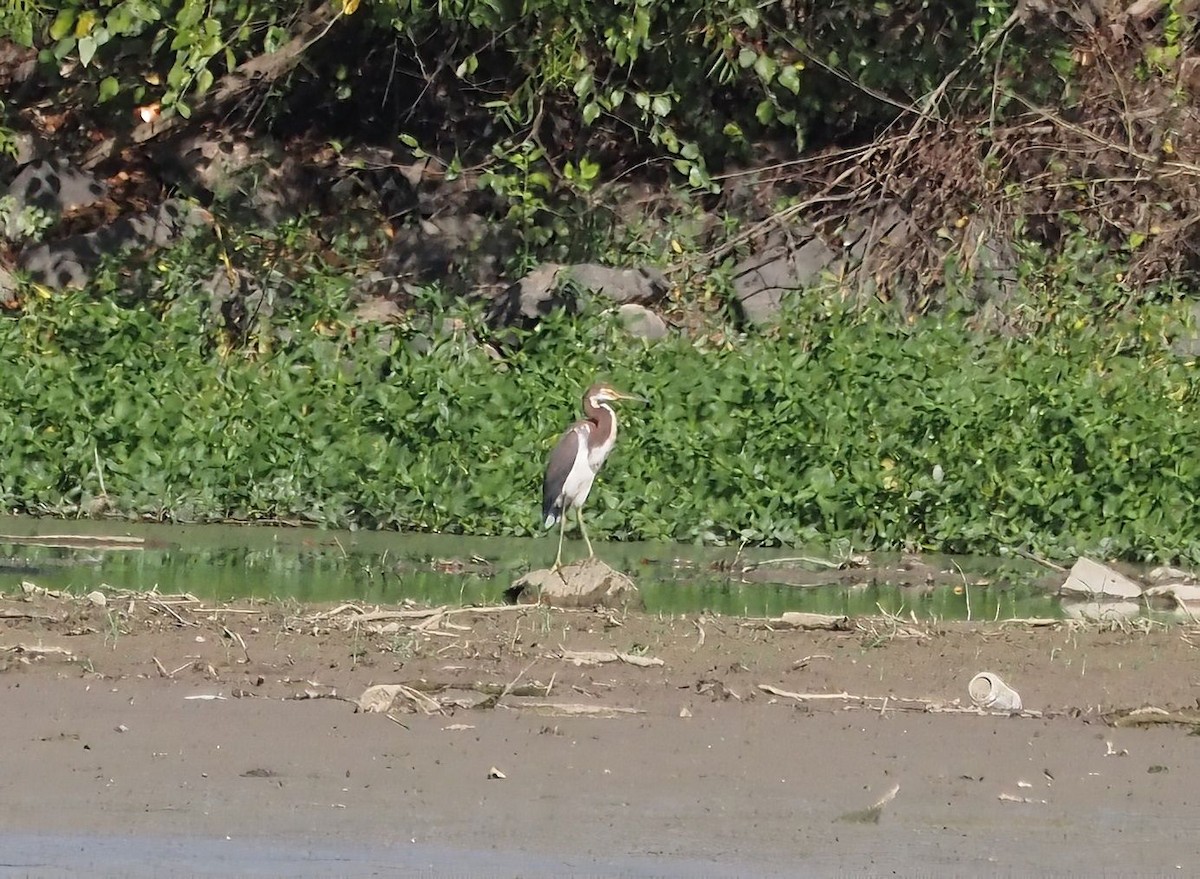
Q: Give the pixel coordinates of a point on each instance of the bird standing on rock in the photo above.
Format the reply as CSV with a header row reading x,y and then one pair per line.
x,y
577,459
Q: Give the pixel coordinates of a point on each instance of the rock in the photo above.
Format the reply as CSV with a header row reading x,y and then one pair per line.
x,y
54,186
377,309
551,286
763,281
66,262
8,289
97,599
1101,611
1166,573
258,180
529,299
586,583
244,302
619,285
1094,580
460,251
1186,341
1177,593
640,321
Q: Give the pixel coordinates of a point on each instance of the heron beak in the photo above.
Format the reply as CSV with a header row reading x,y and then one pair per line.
x,y
621,395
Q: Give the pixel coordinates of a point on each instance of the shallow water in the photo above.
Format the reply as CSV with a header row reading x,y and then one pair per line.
x,y
46,855
240,561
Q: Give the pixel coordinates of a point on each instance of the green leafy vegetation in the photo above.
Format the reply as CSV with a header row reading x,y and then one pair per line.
x,y
842,425
1066,426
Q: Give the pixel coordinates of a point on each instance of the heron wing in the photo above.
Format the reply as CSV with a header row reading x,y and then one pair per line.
x,y
558,468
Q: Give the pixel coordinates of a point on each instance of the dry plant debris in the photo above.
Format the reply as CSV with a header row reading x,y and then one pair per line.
x,y
599,657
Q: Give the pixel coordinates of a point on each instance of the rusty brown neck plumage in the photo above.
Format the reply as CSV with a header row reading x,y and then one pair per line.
x,y
602,420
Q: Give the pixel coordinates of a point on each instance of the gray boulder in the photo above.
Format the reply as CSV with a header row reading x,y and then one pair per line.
x,y
586,583
551,286
55,186
68,261
763,281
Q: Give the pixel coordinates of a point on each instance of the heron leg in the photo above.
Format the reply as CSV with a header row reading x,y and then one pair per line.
x,y
583,531
562,524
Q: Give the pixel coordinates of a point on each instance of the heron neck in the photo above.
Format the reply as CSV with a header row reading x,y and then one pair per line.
x,y
605,420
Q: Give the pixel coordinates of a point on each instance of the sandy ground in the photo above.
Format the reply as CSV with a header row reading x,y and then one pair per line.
x,y
112,767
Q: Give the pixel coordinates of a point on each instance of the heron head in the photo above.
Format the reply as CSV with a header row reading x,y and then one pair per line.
x,y
603,392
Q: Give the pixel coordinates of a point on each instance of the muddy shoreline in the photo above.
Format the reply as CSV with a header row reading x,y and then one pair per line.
x,y
274,771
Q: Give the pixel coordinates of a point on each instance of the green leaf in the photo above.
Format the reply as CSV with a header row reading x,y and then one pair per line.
x,y
468,66
765,112
583,85
747,57
766,67
698,177
591,112
750,16
276,37
204,81
109,89
189,16
120,20
62,25
789,78
21,31
64,47
661,105
87,50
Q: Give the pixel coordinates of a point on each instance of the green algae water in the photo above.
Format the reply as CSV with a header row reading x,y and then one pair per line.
x,y
223,562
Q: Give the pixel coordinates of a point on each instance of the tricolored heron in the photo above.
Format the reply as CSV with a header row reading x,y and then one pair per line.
x,y
577,459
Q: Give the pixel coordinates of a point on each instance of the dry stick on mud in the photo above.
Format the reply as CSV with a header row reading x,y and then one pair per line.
x,y
599,657
379,616
802,621
36,650
896,703
158,604
1152,716
12,614
169,674
573,709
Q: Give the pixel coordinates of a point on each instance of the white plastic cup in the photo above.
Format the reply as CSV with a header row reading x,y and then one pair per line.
x,y
988,691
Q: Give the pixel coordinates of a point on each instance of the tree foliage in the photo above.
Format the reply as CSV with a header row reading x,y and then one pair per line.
x,y
693,83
